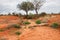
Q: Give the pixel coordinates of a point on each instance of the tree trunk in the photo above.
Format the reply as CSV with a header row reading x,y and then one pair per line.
x,y
36,11
26,12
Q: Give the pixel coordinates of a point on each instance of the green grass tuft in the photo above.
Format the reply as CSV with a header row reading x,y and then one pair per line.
x,y
38,22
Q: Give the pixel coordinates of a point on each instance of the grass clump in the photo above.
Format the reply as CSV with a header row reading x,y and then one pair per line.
x,y
16,26
54,25
18,33
38,22
26,22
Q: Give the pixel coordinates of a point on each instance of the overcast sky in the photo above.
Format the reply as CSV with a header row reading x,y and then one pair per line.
x,y
50,6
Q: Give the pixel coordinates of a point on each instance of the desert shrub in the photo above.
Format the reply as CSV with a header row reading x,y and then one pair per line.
x,y
18,33
16,26
26,22
30,16
43,14
9,14
20,15
16,14
13,13
54,25
13,26
38,22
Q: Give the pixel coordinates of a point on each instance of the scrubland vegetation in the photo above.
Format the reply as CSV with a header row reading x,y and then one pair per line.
x,y
17,25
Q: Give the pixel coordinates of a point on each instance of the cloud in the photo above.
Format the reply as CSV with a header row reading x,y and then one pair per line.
x,y
51,6
11,6
7,5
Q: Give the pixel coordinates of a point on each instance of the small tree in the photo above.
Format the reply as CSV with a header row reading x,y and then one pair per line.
x,y
26,6
37,4
43,14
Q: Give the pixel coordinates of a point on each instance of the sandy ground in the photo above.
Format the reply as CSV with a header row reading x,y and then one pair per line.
x,y
41,33
37,33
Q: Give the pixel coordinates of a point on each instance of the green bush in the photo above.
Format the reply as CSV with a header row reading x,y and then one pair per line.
x,y
18,33
30,16
26,22
43,14
16,26
38,22
55,25
13,26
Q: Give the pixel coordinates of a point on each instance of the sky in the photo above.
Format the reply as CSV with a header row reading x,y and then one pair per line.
x,y
9,6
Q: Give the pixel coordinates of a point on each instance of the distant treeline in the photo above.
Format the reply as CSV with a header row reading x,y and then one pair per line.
x,y
20,14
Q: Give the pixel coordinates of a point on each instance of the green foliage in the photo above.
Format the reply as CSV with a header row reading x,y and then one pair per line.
x,y
55,25
30,16
43,14
38,22
18,33
26,6
26,22
13,26
16,26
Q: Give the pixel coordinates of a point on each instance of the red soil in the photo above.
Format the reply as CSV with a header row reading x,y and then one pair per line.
x,y
41,33
38,33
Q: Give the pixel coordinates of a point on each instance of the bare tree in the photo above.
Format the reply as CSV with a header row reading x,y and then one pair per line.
x,y
38,4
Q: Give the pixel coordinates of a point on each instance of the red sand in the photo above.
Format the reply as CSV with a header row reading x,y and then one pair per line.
x,y
41,33
38,33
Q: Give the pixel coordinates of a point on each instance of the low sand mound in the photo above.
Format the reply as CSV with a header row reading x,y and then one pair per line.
x,y
41,33
9,17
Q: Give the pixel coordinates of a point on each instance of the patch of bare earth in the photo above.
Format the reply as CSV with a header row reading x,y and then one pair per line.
x,y
41,33
36,33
